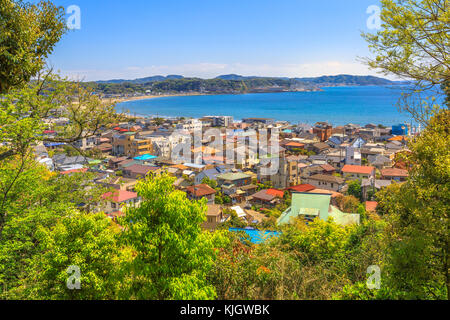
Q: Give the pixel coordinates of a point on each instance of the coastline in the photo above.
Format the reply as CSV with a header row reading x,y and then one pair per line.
x,y
145,97
336,106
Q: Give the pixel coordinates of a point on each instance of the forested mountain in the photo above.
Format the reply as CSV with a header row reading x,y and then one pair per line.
x,y
231,83
346,80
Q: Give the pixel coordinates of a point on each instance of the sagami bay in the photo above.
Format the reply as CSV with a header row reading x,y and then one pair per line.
x,y
337,105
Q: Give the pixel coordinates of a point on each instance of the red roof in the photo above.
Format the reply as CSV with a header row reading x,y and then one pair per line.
x,y
200,190
268,194
49,131
302,188
371,206
394,172
74,171
275,192
115,214
119,195
357,169
328,167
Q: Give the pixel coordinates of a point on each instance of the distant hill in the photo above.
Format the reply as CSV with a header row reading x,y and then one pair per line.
x,y
144,80
237,77
230,83
346,80
339,80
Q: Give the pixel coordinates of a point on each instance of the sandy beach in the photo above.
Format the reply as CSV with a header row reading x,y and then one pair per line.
x,y
125,99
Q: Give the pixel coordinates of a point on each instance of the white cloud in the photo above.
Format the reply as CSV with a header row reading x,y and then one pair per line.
x,y
211,70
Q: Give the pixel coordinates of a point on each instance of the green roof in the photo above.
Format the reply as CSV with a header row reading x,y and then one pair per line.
x,y
344,218
309,212
315,204
307,204
131,163
233,176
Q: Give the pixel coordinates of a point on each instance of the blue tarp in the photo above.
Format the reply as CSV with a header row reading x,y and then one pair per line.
x,y
145,157
53,144
256,236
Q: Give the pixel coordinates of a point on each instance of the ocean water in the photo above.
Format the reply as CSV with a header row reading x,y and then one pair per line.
x,y
337,105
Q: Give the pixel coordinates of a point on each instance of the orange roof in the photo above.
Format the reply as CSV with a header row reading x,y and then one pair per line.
x,y
179,166
371,206
275,192
200,190
74,171
357,169
295,144
397,138
119,195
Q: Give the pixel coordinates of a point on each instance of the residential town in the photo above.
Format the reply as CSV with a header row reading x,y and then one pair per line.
x,y
317,166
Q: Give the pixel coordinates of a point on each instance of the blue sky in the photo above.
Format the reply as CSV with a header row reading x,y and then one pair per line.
x,y
206,38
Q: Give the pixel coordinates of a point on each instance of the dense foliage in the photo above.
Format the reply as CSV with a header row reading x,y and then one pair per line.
x,y
28,33
49,227
228,84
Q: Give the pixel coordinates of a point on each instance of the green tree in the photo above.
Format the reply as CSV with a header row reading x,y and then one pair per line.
x,y
418,213
413,44
355,189
87,241
38,199
172,254
347,203
28,34
210,182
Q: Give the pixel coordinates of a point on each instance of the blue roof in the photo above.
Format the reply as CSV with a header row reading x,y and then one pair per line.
x,y
194,165
53,144
145,157
335,140
213,173
256,236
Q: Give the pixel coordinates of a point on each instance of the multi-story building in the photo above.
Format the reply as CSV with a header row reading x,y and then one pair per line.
x,y
86,143
352,156
220,121
323,130
190,125
288,173
266,121
129,145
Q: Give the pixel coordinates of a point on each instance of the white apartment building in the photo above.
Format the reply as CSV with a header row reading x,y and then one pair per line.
x,y
190,125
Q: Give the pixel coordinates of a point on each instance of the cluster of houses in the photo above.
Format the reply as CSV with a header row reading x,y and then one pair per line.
x,y
315,163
